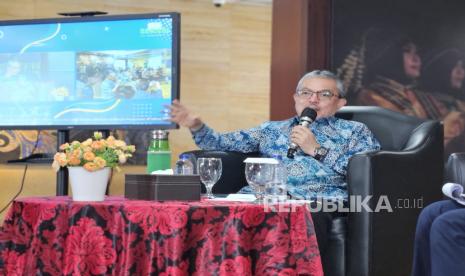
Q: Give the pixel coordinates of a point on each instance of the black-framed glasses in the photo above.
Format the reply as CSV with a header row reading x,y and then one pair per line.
x,y
324,94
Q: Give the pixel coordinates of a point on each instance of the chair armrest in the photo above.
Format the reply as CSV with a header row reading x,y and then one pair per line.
x,y
455,168
233,176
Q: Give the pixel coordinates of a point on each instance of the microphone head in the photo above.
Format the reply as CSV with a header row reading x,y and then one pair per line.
x,y
309,112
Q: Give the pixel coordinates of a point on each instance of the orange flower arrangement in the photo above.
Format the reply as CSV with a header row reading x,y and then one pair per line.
x,y
93,154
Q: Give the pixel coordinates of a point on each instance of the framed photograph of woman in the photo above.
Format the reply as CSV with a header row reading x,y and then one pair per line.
x,y
406,56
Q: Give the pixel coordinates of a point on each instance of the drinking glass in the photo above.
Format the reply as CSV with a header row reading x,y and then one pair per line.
x,y
259,175
209,170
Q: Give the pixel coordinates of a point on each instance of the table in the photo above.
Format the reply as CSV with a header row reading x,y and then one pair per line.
x,y
57,236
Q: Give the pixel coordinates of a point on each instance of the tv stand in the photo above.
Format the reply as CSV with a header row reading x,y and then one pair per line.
x,y
62,174
35,158
82,14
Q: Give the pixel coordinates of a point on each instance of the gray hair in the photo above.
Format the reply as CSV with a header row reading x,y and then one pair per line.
x,y
323,74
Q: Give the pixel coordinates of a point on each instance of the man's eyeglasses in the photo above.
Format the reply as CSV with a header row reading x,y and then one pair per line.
x,y
324,94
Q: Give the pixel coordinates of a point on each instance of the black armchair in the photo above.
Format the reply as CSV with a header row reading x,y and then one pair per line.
x,y
407,171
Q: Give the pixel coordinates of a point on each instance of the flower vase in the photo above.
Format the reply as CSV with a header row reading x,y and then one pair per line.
x,y
88,186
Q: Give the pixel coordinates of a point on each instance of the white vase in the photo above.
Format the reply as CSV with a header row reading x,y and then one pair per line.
x,y
88,186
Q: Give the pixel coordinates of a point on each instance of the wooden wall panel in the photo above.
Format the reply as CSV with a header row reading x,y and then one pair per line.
x,y
289,55
300,44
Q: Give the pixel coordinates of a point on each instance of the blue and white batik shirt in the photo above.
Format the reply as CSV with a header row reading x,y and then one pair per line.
x,y
308,178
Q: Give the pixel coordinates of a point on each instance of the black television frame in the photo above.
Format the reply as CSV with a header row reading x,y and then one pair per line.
x,y
175,71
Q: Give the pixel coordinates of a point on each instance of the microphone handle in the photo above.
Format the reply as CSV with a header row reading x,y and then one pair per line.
x,y
293,147
304,123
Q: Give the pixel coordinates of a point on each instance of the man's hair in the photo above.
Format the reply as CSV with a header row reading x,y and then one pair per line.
x,y
323,74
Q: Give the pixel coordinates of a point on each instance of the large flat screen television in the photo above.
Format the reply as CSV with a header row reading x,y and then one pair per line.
x,y
101,72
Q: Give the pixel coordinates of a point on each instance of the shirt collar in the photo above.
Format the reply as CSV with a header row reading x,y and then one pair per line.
x,y
295,120
325,121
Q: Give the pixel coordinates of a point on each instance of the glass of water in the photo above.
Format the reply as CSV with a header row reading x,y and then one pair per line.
x,y
210,170
259,175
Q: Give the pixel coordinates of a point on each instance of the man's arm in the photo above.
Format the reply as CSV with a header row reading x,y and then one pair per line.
x,y
206,138
242,140
362,139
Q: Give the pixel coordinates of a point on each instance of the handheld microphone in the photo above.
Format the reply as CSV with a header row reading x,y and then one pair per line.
x,y
307,117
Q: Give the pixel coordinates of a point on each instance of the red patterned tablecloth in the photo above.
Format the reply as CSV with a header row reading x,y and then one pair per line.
x,y
57,236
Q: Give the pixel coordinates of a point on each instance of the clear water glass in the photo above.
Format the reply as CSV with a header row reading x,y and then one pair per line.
x,y
259,175
209,170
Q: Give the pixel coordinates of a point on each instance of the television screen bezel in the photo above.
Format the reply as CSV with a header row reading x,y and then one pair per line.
x,y
175,70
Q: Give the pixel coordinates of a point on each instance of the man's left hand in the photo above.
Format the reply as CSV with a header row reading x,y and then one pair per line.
x,y
304,138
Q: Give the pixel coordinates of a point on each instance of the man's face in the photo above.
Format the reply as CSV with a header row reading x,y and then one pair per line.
x,y
324,106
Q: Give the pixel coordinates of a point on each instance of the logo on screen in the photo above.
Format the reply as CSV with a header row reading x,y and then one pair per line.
x,y
161,27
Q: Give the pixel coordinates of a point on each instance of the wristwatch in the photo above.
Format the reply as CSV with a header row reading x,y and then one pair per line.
x,y
320,153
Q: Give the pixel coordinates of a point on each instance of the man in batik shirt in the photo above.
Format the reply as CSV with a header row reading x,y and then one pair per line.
x,y
320,166
318,169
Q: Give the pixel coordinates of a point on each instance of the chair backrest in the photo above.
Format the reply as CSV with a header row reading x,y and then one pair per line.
x,y
394,131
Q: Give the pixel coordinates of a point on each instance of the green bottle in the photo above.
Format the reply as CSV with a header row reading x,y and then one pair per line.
x,y
159,153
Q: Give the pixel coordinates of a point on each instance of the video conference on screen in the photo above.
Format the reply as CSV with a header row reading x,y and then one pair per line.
x,y
86,73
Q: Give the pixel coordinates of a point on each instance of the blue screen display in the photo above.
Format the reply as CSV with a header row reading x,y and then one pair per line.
x,y
113,71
